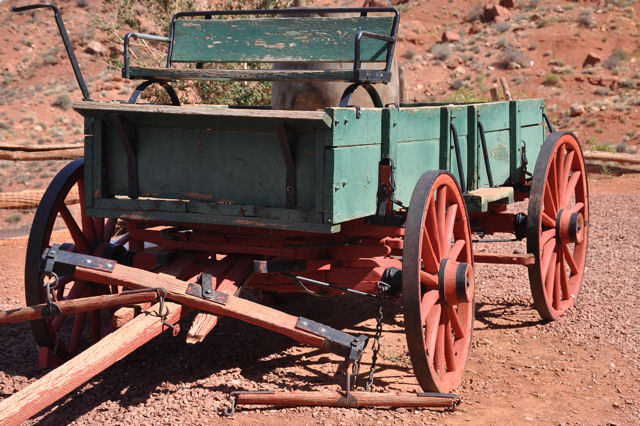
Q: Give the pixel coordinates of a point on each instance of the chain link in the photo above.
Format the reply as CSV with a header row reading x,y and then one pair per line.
x,y
375,346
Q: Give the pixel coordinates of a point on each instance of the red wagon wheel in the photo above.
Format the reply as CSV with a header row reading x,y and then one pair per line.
x,y
64,334
438,289
557,225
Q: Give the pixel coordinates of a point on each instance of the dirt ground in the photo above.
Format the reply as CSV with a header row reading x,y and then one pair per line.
x,y
580,370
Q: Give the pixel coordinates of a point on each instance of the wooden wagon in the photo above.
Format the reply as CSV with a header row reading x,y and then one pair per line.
x,y
189,204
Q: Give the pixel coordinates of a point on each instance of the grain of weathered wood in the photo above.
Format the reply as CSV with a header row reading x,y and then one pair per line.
x,y
244,310
74,306
336,399
112,107
57,154
479,199
170,74
64,379
30,198
309,39
525,259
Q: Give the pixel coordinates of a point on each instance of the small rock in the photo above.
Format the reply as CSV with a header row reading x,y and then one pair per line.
x,y
496,13
450,37
576,110
509,4
591,60
475,28
95,48
621,147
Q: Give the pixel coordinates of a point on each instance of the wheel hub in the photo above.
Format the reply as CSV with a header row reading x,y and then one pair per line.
x,y
455,282
570,227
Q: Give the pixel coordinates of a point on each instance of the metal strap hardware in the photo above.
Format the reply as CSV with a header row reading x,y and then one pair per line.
x,y
127,133
336,341
205,290
64,262
456,146
387,188
51,309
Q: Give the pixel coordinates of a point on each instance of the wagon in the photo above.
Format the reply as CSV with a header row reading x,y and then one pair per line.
x,y
184,206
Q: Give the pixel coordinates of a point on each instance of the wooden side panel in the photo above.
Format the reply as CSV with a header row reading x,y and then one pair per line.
x,y
495,120
531,111
351,181
414,158
533,136
308,39
350,130
238,167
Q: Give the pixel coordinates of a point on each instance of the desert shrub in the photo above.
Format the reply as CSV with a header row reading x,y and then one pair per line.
x,y
63,101
616,58
457,84
82,3
512,55
551,80
441,51
602,91
627,83
533,46
502,27
476,12
585,18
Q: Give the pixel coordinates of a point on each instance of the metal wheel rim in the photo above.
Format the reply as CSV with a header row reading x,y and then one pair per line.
x,y
438,366
556,276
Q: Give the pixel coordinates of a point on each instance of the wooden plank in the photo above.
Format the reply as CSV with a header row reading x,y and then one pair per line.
x,y
515,141
74,306
235,307
57,154
38,148
73,373
110,208
617,157
85,107
350,130
531,111
172,74
228,275
338,399
526,259
494,116
479,199
303,39
30,198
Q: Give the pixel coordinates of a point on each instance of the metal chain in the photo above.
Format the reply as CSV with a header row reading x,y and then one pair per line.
x,y
375,346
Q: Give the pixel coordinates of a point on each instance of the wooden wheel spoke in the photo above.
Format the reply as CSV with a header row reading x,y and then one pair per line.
x,y
549,200
568,256
428,302
565,178
449,224
563,283
441,212
559,162
571,186
434,235
456,325
429,280
557,289
122,240
576,208
429,257
439,361
456,250
432,325
547,254
98,228
548,221
550,276
449,350
547,235
77,235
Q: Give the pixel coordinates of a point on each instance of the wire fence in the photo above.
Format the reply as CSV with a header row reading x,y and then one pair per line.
x,y
25,173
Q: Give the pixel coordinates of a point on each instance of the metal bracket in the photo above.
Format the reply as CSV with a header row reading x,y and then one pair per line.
x,y
288,142
205,291
485,153
336,341
64,262
387,188
127,133
456,145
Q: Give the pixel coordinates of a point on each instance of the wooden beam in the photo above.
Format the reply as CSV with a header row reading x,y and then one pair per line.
x,y
30,198
526,259
617,157
337,399
58,154
235,307
73,373
74,306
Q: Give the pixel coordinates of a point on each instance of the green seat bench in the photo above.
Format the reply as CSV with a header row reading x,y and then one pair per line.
x,y
275,36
